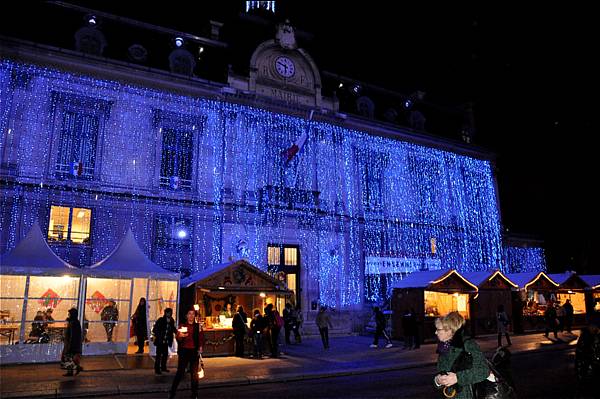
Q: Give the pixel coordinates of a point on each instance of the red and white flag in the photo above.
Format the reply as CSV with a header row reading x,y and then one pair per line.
x,y
289,153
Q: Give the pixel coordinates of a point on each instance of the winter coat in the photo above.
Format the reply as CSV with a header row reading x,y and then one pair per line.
x,y
568,310
72,340
323,320
109,313
198,337
258,325
478,372
239,323
139,321
380,320
550,316
503,322
163,331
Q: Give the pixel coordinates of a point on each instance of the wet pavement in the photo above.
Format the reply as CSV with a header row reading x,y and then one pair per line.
x,y
349,355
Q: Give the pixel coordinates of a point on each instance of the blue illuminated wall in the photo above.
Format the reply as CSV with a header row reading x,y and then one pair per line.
x,y
524,259
347,196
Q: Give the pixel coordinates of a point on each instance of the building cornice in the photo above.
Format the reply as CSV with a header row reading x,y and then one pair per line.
x,y
134,74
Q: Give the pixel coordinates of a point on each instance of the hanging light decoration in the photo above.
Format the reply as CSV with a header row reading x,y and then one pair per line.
x,y
524,259
347,199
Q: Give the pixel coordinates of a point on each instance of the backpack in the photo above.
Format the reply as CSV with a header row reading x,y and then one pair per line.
x,y
278,319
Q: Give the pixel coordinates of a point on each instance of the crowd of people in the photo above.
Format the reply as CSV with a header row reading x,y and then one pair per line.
x,y
462,369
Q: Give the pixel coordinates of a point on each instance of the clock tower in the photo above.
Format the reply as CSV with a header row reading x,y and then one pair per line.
x,y
280,70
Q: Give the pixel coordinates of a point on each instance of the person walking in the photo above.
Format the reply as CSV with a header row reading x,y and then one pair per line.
x,y
290,319
551,320
560,315
140,327
380,328
110,316
502,322
274,324
455,376
257,329
323,321
71,354
163,331
239,330
299,322
568,316
190,340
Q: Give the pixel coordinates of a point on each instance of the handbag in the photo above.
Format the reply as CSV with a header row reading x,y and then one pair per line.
x,y
200,367
499,389
486,389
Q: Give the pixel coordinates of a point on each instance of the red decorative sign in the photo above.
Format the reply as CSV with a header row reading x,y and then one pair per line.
x,y
50,299
97,302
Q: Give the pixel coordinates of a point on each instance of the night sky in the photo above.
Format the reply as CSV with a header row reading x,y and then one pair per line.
x,y
531,73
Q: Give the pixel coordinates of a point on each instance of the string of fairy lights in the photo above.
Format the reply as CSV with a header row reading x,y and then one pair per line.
x,y
345,199
524,259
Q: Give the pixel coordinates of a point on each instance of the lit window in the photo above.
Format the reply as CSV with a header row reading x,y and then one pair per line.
x,y
282,255
291,256
69,224
273,254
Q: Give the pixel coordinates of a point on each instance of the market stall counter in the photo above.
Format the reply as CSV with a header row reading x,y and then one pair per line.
x,y
430,294
495,289
536,291
217,292
571,287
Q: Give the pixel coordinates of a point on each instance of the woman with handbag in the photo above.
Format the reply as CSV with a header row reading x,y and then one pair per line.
x,y
71,354
461,364
239,330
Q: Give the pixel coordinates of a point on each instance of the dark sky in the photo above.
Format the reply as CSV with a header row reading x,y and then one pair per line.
x,y
530,70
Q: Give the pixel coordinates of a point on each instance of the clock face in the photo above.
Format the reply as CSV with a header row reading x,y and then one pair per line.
x,y
285,67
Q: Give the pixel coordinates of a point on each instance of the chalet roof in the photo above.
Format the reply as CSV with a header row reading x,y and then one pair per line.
x,y
593,280
523,279
205,274
427,278
479,278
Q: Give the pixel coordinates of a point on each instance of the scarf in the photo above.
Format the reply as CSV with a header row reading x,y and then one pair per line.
x,y
443,347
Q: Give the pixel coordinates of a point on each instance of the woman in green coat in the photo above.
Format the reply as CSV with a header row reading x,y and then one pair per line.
x,y
458,372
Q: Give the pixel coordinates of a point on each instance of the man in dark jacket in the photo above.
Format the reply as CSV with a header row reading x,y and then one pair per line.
x,y
239,330
163,331
380,324
568,315
551,320
110,316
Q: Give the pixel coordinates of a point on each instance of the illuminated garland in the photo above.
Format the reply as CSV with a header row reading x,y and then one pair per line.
x,y
220,341
346,196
